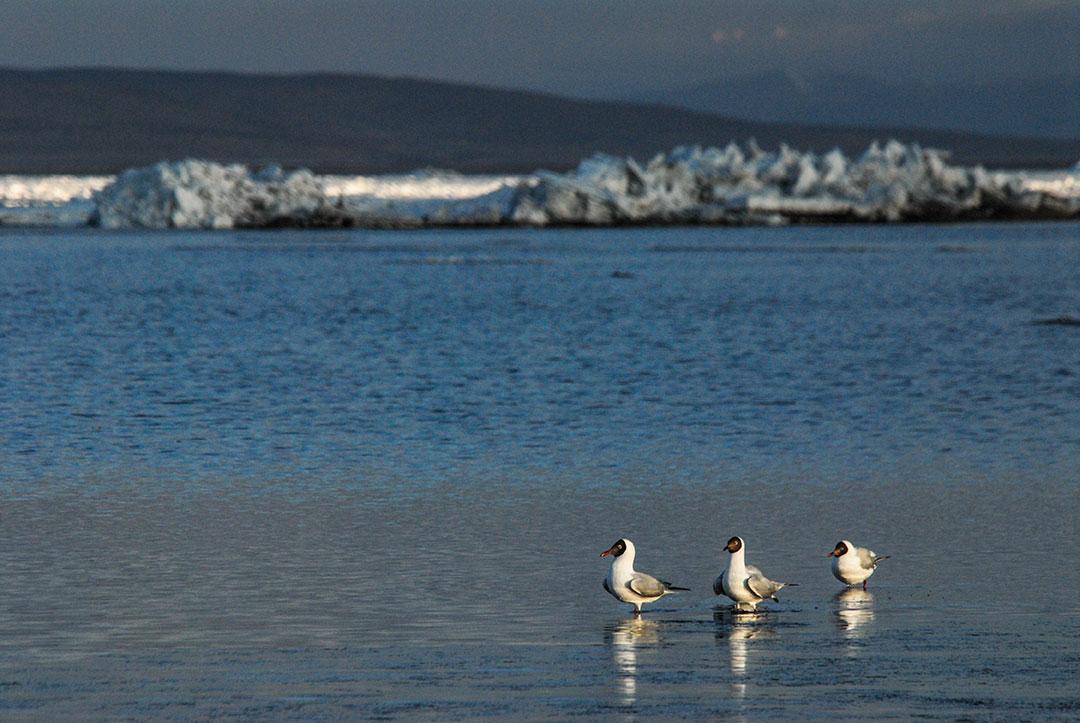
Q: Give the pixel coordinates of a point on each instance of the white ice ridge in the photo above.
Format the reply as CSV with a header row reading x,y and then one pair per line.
x,y
199,194
889,183
691,185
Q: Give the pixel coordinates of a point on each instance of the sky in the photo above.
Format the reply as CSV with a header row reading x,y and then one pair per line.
x,y
597,48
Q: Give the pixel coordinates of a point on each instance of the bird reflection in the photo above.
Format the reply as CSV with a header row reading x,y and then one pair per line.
x,y
854,614
740,630
625,637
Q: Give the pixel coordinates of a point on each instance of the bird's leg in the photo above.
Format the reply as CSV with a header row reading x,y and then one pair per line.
x,y
864,584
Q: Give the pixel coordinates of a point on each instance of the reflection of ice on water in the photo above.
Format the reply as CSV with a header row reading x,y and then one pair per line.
x,y
854,614
625,637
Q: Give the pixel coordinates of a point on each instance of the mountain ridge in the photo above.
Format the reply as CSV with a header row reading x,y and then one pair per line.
x,y
1044,108
102,120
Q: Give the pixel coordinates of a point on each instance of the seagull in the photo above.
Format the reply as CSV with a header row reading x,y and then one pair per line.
x,y
745,584
852,565
629,586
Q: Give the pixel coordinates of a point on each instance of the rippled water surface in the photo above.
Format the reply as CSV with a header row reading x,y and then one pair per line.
x,y
367,475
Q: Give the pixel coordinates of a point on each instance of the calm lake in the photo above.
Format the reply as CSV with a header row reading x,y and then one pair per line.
x,y
369,474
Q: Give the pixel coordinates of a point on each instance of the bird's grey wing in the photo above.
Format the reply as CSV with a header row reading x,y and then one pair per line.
x,y
608,588
868,560
718,586
646,585
760,585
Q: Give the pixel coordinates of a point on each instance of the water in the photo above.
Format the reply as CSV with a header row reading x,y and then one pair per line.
x,y
369,475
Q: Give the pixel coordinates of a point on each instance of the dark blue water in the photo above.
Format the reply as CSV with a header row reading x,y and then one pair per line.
x,y
440,355
368,474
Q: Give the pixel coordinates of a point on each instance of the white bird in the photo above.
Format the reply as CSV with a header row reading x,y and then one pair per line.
x,y
745,584
628,585
852,565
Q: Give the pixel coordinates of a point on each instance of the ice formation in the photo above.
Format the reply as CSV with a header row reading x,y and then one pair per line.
x,y
198,194
691,185
889,183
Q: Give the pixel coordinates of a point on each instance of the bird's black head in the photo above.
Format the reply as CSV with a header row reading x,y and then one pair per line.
x,y
734,544
840,550
615,550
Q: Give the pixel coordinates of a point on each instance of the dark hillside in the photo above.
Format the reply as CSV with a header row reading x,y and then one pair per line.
x,y
101,120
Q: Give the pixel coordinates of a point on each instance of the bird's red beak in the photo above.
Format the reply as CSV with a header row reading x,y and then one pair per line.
x,y
609,551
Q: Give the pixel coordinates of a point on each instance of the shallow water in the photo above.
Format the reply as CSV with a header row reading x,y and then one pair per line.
x,y
369,474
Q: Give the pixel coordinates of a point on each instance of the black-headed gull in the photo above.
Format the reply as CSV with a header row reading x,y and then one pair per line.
x,y
745,584
852,565
628,585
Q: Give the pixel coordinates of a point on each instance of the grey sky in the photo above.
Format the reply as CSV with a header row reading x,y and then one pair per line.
x,y
604,47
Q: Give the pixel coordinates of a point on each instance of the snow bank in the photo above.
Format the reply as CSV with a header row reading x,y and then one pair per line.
x,y
733,185
24,191
425,198
428,184
50,201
